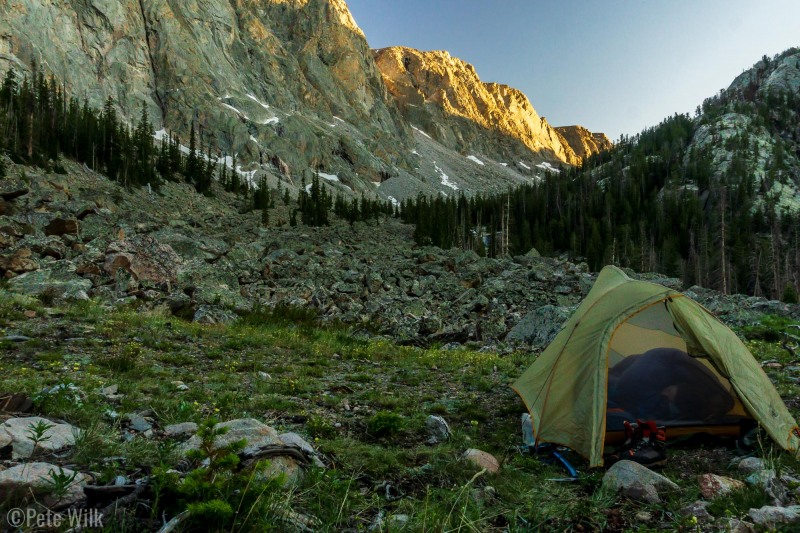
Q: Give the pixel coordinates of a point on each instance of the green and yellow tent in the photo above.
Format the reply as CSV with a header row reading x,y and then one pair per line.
x,y
635,349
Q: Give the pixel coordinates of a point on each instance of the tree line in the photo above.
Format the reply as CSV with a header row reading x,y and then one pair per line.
x,y
650,204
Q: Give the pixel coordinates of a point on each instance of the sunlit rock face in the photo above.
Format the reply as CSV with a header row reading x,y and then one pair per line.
x,y
445,97
583,142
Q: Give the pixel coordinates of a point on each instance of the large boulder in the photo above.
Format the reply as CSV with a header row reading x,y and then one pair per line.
x,y
18,432
144,258
61,226
254,432
19,262
59,282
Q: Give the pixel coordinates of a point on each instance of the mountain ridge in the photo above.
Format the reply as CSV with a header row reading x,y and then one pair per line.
x,y
288,86
438,90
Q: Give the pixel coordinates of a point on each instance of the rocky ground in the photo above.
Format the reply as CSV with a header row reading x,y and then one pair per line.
x,y
371,374
77,236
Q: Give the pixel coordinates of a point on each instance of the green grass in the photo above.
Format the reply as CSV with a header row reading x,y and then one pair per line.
x,y
361,402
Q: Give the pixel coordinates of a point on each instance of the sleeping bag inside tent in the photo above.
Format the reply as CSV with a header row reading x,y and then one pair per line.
x,y
635,349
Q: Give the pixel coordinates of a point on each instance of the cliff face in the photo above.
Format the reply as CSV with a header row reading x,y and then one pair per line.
x,y
445,97
583,142
291,88
260,77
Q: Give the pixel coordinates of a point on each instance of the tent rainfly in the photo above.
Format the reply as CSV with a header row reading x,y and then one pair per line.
x,y
635,349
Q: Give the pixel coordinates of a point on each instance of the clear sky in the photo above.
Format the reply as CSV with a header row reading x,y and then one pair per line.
x,y
615,66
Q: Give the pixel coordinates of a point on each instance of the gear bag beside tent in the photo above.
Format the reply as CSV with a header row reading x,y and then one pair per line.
x,y
635,349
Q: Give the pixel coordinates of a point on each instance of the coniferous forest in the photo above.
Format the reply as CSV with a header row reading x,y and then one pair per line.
x,y
650,204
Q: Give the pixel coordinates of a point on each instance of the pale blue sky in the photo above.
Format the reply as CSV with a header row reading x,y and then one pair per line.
x,y
611,65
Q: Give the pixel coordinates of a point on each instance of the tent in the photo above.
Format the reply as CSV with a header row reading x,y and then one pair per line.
x,y
635,349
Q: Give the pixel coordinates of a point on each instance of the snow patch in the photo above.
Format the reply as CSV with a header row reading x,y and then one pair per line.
x,y
445,178
394,201
329,177
249,175
503,164
414,151
254,140
273,120
235,110
523,165
548,167
256,100
475,159
422,132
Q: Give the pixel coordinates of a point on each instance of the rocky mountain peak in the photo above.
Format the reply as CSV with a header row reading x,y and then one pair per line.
x,y
447,98
778,74
583,142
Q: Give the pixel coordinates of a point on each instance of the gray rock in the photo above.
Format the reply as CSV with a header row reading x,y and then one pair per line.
x,y
138,423
18,433
771,483
438,429
254,432
772,517
57,283
34,480
180,430
698,510
540,326
16,338
293,439
636,482
750,465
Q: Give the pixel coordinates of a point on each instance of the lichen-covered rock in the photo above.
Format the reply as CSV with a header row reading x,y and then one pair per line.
x,y
712,485
144,258
540,326
59,281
